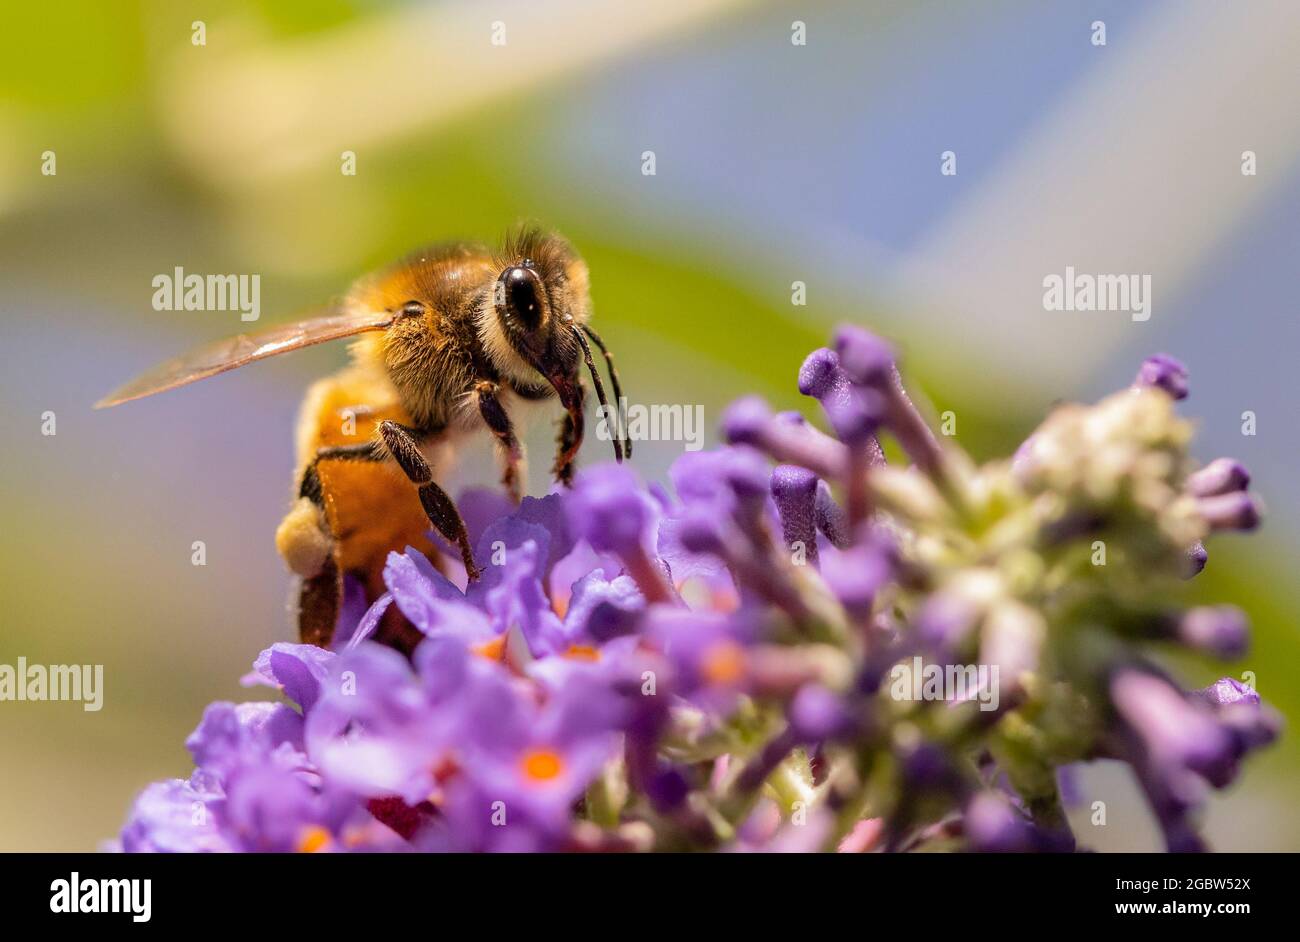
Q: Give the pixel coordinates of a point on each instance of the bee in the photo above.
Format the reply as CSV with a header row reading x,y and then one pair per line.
x,y
450,342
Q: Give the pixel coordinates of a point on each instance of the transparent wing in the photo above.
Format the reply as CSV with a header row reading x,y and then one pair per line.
x,y
234,352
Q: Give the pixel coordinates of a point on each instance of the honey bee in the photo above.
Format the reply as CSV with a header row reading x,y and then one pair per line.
x,y
450,341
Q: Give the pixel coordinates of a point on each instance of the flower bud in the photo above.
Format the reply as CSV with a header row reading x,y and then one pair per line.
x,y
1219,630
1163,372
1220,476
1235,510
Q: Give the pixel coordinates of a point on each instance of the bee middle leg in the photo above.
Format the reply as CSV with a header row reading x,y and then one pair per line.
x,y
403,444
512,453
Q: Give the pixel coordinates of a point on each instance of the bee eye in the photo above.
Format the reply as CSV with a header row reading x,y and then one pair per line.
x,y
412,309
521,292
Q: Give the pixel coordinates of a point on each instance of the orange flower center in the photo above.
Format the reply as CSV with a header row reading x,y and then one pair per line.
x,y
494,650
542,765
723,663
313,839
582,652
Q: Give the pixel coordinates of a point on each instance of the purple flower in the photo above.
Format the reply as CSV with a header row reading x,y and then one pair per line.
x,y
1220,630
795,491
430,600
1197,556
1227,691
352,613
992,825
530,764
513,597
750,422
708,654
639,668
1177,742
865,358
1176,733
1220,476
817,714
1163,372
1235,510
832,521
296,669
857,574
945,622
1250,722
728,483
609,509
854,412
177,816
376,730
275,811
231,736
869,362
254,789
602,609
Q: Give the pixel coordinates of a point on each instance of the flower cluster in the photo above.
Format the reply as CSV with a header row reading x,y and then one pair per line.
x,y
801,647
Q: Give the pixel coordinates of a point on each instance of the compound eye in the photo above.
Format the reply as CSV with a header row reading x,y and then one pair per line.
x,y
412,309
522,295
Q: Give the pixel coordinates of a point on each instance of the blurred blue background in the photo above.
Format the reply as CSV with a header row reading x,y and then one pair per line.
x,y
775,163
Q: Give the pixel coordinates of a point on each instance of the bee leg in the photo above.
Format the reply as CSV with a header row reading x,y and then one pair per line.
x,y
618,389
307,545
563,469
570,439
309,486
319,601
512,453
443,514
403,445
303,537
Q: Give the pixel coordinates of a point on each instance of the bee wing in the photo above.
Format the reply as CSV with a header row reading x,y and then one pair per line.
x,y
234,352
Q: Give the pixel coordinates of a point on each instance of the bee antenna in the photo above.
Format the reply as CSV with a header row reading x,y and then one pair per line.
x,y
600,389
613,381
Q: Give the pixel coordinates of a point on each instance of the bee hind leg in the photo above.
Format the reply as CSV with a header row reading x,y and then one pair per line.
x,y
303,537
305,541
403,445
319,600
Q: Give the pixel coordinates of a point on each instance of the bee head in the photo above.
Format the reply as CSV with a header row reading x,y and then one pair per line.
x,y
539,295
541,304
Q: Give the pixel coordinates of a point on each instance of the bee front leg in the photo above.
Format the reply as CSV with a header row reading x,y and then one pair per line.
x,y
404,446
570,438
511,452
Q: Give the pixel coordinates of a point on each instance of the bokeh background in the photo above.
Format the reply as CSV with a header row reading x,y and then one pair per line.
x,y
775,163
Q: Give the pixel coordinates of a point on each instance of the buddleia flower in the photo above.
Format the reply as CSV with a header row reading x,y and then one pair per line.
x,y
795,646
